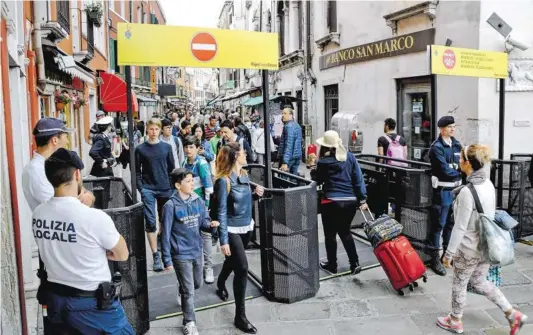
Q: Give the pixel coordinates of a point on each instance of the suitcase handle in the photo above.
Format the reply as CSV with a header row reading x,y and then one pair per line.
x,y
369,213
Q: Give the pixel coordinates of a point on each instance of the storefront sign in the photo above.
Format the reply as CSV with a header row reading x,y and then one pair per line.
x,y
468,62
162,45
153,79
399,45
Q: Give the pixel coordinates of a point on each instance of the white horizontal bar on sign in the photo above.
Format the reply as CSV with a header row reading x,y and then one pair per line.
x,y
206,47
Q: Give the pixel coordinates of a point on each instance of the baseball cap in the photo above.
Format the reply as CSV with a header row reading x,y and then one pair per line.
x,y
49,126
100,113
64,156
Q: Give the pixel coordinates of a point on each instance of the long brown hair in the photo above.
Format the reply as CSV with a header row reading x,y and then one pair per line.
x,y
226,159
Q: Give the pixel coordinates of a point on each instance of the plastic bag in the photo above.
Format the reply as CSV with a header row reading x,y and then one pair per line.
x,y
496,244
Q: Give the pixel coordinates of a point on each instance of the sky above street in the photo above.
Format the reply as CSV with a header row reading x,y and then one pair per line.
x,y
193,13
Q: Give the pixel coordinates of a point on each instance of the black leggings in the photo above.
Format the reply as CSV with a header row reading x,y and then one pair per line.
x,y
337,218
237,263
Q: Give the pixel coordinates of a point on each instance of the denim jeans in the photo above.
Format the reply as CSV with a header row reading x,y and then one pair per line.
x,y
208,249
440,221
294,164
149,199
67,315
190,278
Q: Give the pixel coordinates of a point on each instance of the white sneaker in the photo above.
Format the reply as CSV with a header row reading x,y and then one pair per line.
x,y
209,276
190,329
178,297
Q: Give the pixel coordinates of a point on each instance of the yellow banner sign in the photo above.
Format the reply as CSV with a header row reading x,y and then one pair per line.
x,y
468,62
160,45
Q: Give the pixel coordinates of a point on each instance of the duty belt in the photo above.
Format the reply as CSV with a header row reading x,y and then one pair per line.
x,y
68,291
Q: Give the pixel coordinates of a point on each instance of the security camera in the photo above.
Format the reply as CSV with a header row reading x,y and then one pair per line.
x,y
514,43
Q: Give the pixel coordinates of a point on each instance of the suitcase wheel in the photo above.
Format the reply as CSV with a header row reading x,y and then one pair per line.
x,y
425,279
415,284
411,287
401,293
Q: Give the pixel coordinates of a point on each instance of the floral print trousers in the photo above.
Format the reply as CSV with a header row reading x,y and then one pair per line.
x,y
472,270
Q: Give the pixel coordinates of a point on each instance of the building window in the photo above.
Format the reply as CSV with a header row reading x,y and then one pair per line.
x,y
332,16
331,103
281,27
90,38
63,15
131,10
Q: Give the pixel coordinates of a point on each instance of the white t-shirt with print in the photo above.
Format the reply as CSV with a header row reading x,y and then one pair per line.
x,y
73,240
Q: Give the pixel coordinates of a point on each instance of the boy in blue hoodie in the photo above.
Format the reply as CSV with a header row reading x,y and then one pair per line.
x,y
181,243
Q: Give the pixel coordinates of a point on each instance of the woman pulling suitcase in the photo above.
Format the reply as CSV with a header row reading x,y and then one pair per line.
x,y
344,191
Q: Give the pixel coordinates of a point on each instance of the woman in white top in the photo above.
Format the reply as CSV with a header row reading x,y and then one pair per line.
x,y
258,142
468,265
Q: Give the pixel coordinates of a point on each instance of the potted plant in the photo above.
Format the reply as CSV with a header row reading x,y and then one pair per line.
x,y
78,101
95,13
61,99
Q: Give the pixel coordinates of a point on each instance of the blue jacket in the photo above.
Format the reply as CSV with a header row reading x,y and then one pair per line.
x,y
233,209
180,229
441,155
342,180
209,155
290,146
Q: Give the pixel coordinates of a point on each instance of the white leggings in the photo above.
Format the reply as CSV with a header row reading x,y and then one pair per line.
x,y
471,269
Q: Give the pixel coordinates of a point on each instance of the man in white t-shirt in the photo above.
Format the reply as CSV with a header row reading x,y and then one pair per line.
x,y
50,134
75,243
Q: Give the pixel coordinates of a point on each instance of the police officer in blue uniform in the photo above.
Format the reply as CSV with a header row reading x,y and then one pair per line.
x,y
77,291
444,158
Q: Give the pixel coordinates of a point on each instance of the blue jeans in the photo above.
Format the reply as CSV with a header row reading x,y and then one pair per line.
x,y
149,199
294,164
190,278
440,221
81,316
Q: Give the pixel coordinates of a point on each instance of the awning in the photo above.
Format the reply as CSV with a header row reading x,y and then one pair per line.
x,y
255,101
145,101
214,101
113,94
240,94
68,65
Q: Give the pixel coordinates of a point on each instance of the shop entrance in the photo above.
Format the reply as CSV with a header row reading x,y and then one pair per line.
x,y
415,116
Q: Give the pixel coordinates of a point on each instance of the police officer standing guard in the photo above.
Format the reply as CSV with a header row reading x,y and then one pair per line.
x,y
102,149
444,158
75,243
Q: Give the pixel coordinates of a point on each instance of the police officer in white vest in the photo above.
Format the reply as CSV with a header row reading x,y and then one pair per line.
x,y
75,243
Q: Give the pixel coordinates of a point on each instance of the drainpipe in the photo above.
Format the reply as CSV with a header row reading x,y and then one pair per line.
x,y
38,14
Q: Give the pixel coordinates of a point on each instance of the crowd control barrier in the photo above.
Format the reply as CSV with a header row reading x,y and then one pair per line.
x,y
514,192
114,197
287,220
407,188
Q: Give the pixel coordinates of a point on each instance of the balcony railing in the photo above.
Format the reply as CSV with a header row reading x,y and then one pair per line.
x,y
63,15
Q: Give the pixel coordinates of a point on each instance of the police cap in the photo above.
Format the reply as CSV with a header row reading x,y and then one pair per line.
x,y
445,121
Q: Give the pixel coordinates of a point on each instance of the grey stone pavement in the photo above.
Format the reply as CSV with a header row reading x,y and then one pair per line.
x,y
367,305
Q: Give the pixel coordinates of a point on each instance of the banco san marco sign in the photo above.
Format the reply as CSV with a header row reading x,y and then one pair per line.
x,y
395,46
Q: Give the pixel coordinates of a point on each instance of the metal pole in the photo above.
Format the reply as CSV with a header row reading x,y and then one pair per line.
x,y
266,118
129,102
501,140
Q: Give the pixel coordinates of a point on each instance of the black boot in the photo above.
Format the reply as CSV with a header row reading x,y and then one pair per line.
x,y
355,268
436,264
222,292
242,324
329,267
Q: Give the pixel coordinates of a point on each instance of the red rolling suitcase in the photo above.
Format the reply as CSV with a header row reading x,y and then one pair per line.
x,y
401,263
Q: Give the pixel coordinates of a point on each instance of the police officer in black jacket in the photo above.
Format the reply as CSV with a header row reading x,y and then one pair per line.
x,y
101,150
445,176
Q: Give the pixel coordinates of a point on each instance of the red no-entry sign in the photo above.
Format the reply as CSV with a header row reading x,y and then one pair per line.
x,y
204,47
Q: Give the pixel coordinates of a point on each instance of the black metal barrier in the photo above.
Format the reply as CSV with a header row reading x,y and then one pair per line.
x,y
514,192
114,197
288,229
407,188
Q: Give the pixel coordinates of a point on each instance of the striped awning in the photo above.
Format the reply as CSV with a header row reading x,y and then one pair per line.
x,y
68,65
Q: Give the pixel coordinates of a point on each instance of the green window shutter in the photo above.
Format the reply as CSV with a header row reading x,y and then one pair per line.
x,y
112,54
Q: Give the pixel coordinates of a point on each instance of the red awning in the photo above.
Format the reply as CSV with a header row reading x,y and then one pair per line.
x,y
113,94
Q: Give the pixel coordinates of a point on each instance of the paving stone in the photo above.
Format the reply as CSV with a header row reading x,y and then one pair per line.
x,y
203,318
518,294
377,326
406,305
473,322
498,315
331,290
526,330
303,311
435,284
256,313
511,278
352,309
297,328
473,301
368,289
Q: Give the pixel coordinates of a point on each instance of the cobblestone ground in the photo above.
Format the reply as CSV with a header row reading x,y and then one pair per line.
x,y
367,305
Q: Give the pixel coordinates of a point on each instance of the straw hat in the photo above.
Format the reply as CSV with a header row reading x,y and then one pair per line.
x,y
331,139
